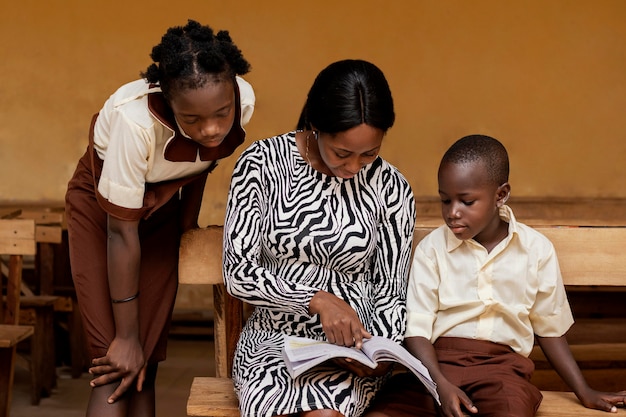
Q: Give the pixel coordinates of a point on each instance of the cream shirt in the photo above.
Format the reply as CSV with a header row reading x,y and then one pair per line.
x,y
131,142
457,289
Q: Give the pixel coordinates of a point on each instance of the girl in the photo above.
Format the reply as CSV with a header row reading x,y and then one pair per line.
x,y
137,188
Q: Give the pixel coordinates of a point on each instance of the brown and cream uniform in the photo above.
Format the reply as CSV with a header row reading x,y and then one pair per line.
x,y
137,162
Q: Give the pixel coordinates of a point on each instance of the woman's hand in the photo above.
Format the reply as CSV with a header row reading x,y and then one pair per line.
x,y
339,321
361,370
124,361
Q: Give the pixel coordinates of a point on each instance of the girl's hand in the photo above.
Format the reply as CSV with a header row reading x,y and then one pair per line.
x,y
124,361
339,321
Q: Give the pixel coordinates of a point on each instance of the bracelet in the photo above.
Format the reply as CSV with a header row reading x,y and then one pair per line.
x,y
125,300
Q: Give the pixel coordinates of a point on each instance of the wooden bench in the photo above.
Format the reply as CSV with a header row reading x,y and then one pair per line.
x,y
17,238
201,263
588,256
37,308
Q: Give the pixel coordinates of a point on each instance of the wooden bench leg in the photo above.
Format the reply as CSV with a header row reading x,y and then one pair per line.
x,y
42,360
43,350
7,364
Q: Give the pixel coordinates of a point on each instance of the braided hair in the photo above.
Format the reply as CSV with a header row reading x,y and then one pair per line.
x,y
190,56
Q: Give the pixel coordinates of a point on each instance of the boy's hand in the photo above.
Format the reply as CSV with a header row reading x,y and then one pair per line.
x,y
452,398
606,401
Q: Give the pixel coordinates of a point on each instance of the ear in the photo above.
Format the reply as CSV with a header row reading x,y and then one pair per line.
x,y
502,194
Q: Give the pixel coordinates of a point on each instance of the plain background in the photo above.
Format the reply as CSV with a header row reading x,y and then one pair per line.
x,y
546,77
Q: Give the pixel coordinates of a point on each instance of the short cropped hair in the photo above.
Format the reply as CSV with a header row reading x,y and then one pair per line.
x,y
481,148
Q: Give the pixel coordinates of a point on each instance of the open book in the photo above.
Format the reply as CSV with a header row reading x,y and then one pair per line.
x,y
303,353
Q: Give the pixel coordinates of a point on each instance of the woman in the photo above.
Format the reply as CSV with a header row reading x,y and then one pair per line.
x,y
138,187
317,237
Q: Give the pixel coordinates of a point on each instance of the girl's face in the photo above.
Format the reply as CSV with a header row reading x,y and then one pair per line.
x,y
470,201
345,153
206,114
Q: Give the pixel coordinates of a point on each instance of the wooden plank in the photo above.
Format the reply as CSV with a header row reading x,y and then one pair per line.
x,y
211,396
565,404
17,237
17,228
201,256
46,233
44,215
592,355
18,247
607,211
590,255
587,255
582,222
9,212
11,306
227,324
10,334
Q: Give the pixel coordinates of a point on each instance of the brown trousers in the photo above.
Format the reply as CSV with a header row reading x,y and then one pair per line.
x,y
495,378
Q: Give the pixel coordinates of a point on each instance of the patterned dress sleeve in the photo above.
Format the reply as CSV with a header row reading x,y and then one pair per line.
x,y
392,258
244,276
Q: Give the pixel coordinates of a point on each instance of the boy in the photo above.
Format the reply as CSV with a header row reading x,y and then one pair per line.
x,y
481,289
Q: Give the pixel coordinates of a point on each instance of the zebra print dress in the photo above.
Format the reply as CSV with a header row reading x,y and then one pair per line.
x,y
290,231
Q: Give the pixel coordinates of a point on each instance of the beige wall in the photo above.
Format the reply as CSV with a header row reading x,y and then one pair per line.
x,y
547,77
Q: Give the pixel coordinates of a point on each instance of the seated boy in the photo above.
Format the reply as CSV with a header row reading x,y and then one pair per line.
x,y
481,289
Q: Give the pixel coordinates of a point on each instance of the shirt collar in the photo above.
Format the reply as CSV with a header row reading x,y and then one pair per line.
x,y
505,213
181,149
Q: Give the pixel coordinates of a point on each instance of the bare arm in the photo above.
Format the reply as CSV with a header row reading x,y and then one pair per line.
x,y
450,395
124,359
560,357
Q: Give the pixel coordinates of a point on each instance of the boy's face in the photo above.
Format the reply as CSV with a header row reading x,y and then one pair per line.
x,y
470,201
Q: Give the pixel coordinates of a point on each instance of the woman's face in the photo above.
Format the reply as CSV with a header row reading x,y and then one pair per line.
x,y
206,114
345,153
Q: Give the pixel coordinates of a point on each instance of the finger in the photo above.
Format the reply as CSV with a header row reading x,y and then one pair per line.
x,y
100,361
468,404
607,406
358,337
141,378
330,336
105,379
347,338
365,333
100,370
120,390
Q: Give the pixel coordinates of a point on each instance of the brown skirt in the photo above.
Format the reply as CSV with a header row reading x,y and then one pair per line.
x,y
493,376
160,238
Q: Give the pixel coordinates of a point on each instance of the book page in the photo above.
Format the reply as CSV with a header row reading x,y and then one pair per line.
x,y
383,349
302,354
300,351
